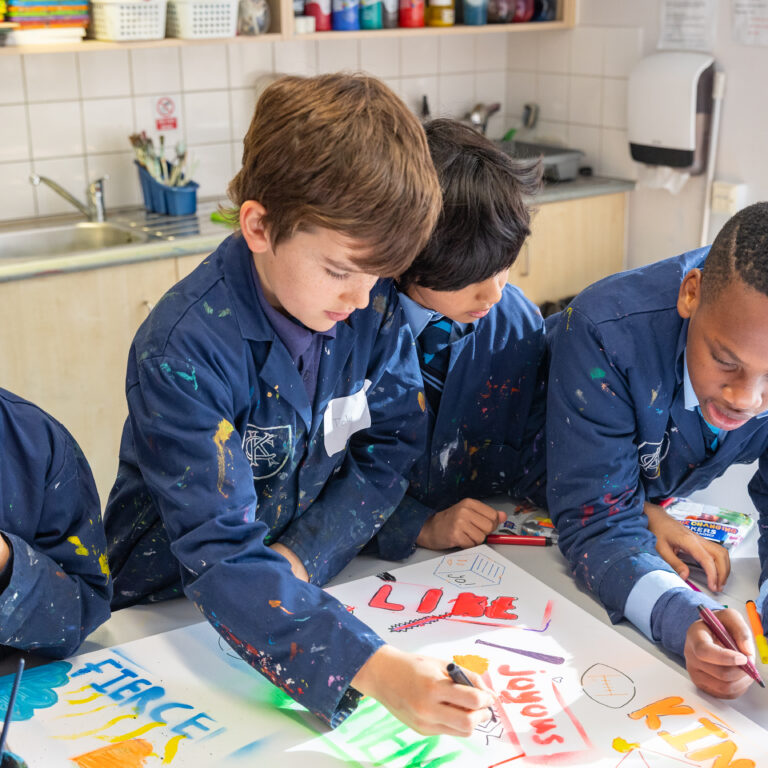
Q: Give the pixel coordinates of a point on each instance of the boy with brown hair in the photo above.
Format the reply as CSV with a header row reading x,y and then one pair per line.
x,y
275,405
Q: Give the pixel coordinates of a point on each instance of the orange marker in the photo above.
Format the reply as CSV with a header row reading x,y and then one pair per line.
x,y
757,631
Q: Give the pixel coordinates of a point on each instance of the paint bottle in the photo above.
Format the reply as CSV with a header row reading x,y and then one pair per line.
x,y
390,14
500,11
320,10
475,12
544,10
440,13
371,14
346,15
411,13
523,11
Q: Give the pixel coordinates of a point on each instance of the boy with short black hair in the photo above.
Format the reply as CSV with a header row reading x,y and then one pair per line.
x,y
659,383
54,581
275,405
481,347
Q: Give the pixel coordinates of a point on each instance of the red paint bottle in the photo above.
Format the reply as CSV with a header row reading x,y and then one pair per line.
x,y
411,13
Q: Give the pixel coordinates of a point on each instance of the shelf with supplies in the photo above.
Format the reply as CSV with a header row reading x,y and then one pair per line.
x,y
282,28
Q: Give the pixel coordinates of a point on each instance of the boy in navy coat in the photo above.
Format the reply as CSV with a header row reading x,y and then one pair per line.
x,y
658,383
481,348
275,405
54,580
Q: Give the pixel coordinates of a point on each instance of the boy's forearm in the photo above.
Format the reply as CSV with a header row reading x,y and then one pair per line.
x,y
397,538
293,631
81,601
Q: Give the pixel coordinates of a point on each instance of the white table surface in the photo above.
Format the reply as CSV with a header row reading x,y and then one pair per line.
x,y
546,564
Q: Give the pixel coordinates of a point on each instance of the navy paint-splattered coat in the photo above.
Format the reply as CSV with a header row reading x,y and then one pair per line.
x,y
223,451
59,588
488,435
618,431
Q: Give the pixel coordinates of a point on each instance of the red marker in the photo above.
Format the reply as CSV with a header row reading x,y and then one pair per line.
x,y
525,541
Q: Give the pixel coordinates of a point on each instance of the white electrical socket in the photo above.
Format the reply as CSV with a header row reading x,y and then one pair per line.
x,y
728,197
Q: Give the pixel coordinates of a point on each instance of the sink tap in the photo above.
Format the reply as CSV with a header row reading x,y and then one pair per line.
x,y
94,195
480,115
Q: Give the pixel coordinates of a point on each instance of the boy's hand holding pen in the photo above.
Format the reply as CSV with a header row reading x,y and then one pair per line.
x,y
718,653
419,691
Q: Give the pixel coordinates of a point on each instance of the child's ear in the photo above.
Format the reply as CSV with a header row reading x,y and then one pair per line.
x,y
689,296
252,226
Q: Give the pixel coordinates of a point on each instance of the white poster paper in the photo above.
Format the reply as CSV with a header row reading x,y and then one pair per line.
x,y
571,691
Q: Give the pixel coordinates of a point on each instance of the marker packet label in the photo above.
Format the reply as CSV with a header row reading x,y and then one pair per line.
x,y
528,520
723,526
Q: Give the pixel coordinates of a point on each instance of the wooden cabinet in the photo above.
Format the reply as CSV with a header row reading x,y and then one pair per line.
x,y
573,243
64,345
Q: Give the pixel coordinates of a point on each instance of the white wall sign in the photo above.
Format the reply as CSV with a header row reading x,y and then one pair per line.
x,y
688,25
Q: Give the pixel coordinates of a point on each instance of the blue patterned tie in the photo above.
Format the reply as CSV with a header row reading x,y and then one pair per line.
x,y
434,355
710,434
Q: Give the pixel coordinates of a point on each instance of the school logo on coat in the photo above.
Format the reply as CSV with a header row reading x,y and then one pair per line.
x,y
651,455
267,448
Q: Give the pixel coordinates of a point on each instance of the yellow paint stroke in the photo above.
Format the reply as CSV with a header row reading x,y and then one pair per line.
x,y
108,724
138,732
568,313
422,401
654,395
172,747
103,564
80,690
85,700
621,745
129,754
79,548
472,663
87,712
223,431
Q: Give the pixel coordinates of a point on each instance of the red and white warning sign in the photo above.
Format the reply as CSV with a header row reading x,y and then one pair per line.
x,y
164,114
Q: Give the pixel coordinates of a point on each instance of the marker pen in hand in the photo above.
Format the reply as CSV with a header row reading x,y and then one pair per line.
x,y
456,674
724,636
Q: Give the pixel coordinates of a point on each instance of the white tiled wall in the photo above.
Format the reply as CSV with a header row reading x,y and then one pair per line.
x,y
68,115
579,80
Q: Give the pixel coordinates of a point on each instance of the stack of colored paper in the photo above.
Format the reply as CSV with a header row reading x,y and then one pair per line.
x,y
37,14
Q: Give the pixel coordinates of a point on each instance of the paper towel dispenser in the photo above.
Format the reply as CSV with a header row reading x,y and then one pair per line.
x,y
669,103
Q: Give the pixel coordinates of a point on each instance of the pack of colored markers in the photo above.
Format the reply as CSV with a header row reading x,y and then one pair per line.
x,y
528,520
723,526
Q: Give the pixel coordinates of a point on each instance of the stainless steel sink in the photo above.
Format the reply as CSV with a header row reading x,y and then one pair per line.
x,y
69,239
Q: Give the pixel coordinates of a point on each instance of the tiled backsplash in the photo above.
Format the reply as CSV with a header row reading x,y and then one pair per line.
x,y
68,115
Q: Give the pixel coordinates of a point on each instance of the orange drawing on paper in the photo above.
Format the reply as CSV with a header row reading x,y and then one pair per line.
x,y
128,754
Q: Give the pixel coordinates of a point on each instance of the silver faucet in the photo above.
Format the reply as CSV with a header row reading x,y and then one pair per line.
x,y
94,194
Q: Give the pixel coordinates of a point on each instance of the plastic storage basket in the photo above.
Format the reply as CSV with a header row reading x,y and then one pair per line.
x,y
195,19
121,20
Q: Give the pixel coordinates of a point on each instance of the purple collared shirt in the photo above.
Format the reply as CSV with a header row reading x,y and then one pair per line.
x,y
303,345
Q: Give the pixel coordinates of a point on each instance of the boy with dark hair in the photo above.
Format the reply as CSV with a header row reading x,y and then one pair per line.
x,y
275,405
659,383
481,348
54,581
